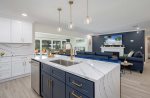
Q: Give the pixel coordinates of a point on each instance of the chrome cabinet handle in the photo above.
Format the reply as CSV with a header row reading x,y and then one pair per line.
x,y
76,95
76,84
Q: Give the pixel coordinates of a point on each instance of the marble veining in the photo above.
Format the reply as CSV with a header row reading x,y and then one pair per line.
x,y
105,75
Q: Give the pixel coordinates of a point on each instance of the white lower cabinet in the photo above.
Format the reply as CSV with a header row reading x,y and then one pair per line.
x,y
5,67
17,68
13,67
27,67
5,70
20,66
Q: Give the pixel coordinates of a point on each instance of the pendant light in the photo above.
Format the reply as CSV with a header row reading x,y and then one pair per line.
x,y
59,29
88,18
70,24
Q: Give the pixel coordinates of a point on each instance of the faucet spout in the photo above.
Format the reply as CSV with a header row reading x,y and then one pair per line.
x,y
71,51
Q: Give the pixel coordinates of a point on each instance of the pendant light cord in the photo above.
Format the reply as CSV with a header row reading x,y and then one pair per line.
x,y
59,18
70,13
87,7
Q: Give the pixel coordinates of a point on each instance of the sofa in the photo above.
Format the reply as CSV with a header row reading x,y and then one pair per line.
x,y
137,59
97,56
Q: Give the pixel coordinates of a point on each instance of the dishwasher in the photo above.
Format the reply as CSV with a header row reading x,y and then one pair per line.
x,y
35,76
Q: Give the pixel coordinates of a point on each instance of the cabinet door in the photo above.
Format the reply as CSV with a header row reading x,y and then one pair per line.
x,y
46,90
27,32
27,67
17,68
5,70
58,88
16,31
5,33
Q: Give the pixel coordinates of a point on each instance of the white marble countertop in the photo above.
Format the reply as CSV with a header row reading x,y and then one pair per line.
x,y
92,70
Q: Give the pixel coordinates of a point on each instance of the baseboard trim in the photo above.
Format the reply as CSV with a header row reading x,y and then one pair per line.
x,y
13,78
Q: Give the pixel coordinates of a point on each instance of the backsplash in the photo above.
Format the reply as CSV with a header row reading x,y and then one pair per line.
x,y
17,49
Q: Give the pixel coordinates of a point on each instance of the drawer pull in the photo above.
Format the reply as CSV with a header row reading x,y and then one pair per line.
x,y
51,82
76,84
48,83
76,95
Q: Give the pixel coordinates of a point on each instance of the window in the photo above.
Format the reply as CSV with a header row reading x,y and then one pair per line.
x,y
46,46
63,44
37,47
56,45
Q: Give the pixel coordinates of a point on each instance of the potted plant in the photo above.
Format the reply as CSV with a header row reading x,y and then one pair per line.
x,y
2,54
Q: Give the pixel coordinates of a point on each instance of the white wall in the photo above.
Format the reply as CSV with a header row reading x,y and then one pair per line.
x,y
147,35
53,30
44,31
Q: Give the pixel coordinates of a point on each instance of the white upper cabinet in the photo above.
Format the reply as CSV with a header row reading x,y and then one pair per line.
x,y
5,33
27,32
14,31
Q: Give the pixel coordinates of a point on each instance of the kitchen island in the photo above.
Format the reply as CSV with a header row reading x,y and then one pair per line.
x,y
84,79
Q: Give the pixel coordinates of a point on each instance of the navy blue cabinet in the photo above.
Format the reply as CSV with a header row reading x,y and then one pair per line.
x,y
46,90
58,74
82,85
51,86
72,93
56,83
58,88
46,68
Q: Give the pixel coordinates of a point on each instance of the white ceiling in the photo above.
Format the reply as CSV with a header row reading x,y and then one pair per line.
x,y
107,15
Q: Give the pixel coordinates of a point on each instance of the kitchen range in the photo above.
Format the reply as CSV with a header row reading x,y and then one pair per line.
x,y
60,77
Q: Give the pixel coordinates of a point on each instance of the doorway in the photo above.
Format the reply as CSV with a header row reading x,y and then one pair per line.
x,y
149,48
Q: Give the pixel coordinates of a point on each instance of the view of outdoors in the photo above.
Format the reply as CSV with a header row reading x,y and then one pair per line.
x,y
47,46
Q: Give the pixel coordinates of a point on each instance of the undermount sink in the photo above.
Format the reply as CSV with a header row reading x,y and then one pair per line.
x,y
64,62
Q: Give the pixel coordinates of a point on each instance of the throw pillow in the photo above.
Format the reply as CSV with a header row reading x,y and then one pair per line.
x,y
138,54
131,54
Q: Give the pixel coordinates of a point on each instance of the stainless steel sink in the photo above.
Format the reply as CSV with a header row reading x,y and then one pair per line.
x,y
64,62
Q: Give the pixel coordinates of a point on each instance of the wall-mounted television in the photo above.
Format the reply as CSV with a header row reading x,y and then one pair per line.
x,y
113,39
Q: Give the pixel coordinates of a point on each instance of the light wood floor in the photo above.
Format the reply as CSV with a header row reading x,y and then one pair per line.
x,y
136,85
133,85
19,88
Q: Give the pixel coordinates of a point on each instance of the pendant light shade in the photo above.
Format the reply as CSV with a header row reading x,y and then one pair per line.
x,y
88,19
70,24
59,29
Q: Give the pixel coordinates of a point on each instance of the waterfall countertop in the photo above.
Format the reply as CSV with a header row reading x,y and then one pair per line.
x,y
92,70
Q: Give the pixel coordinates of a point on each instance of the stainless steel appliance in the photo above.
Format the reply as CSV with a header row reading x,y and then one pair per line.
x,y
35,76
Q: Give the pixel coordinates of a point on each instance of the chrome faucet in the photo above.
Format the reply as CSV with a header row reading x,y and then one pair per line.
x,y
71,50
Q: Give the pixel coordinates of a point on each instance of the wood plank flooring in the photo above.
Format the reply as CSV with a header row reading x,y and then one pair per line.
x,y
133,85
19,88
136,85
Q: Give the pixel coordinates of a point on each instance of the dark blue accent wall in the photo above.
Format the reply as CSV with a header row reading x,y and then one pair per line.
x,y
139,41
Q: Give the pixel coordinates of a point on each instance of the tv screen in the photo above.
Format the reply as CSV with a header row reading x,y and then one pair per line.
x,y
113,40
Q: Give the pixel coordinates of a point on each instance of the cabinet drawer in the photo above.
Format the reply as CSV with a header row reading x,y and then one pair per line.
x,y
46,68
72,93
84,86
5,74
58,74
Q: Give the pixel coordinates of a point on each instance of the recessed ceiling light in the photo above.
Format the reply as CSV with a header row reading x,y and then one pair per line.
x,y
24,14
